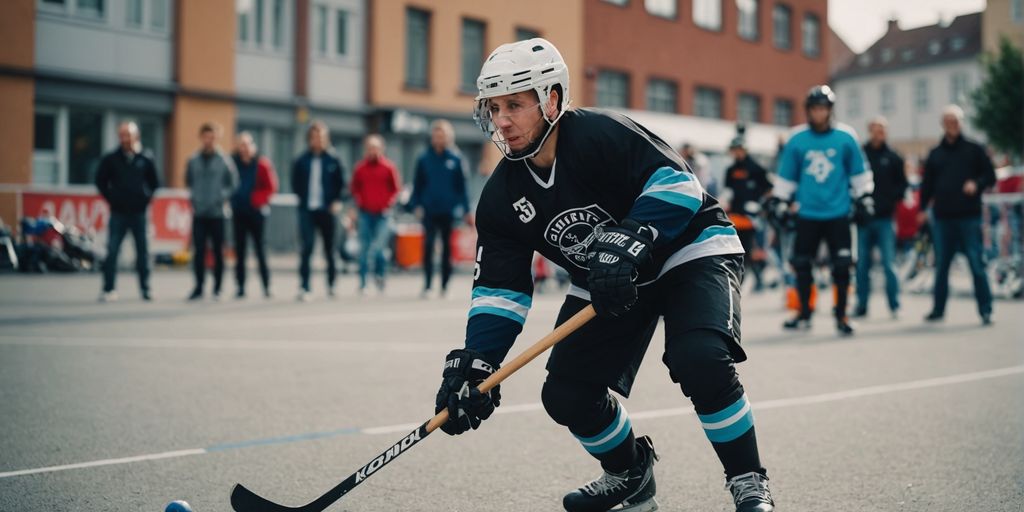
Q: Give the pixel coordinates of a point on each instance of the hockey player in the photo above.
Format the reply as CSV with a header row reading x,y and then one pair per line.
x,y
611,203
821,168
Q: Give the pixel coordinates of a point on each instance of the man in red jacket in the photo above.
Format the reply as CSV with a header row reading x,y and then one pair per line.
x,y
250,205
375,186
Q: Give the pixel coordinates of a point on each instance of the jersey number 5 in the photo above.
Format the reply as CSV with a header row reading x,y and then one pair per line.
x,y
525,209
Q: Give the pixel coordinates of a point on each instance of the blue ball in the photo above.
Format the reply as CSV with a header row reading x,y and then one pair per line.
x,y
178,506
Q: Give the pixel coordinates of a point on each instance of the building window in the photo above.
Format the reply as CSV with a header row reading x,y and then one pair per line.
x,y
472,53
417,48
886,55
158,14
934,47
133,13
90,8
277,24
864,60
957,43
341,33
617,2
749,108
708,102
747,23
783,113
661,8
708,14
661,95
907,54
888,98
282,149
258,16
811,35
612,89
921,94
320,24
958,88
45,154
1017,11
85,145
522,34
852,100
243,26
781,27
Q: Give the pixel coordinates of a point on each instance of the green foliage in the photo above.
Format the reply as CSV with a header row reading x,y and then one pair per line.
x,y
999,101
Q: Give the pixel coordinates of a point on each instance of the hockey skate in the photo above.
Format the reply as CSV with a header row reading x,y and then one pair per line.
x,y
798,323
750,493
632,490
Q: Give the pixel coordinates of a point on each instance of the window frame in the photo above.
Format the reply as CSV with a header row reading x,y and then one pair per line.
x,y
922,94
467,82
697,96
721,15
748,95
887,91
599,94
427,33
664,16
672,86
756,36
263,32
782,8
790,109
810,16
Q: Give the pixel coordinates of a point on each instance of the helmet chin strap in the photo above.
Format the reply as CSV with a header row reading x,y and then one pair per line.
x,y
534,146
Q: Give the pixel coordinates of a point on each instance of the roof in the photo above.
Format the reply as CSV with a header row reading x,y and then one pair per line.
x,y
839,53
933,44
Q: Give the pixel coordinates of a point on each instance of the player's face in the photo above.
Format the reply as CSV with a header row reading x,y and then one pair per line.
x,y
877,132
818,114
517,118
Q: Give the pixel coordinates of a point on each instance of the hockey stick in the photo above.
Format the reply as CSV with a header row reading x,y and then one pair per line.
x,y
244,500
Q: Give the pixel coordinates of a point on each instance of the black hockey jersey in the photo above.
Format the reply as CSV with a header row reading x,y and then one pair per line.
x,y
607,168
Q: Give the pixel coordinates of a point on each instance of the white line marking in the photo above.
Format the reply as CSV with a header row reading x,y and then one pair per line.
x,y
658,413
424,346
106,462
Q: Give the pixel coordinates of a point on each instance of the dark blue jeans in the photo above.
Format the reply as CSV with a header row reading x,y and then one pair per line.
x,y
373,239
876,233
433,226
120,224
963,235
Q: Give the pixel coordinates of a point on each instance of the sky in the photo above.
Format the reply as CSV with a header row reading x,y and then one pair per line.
x,y
861,22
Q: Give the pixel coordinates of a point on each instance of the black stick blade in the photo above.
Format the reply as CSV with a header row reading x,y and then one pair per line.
x,y
244,500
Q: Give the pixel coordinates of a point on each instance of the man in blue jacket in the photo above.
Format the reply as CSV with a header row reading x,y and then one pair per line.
x,y
439,195
821,168
317,179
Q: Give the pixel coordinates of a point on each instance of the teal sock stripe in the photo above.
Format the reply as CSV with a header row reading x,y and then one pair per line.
x,y
610,437
729,423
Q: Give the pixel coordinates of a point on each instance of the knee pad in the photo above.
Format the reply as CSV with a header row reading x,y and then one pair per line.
x,y
700,362
577,405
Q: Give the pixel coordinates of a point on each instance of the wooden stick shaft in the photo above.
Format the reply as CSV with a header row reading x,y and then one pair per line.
x,y
559,334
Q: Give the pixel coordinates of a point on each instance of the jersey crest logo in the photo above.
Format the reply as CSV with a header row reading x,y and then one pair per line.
x,y
820,166
572,231
525,208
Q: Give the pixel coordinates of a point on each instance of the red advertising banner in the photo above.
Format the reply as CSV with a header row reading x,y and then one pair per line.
x,y
170,215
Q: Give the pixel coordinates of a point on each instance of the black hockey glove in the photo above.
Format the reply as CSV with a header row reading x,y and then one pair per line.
x,y
863,209
615,259
464,370
778,211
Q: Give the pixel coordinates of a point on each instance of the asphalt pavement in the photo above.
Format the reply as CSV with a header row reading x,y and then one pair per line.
x,y
127,406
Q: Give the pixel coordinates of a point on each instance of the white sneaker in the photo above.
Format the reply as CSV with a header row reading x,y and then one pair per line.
x,y
110,296
304,296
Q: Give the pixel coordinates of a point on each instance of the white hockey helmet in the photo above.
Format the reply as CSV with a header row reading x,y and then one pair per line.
x,y
534,64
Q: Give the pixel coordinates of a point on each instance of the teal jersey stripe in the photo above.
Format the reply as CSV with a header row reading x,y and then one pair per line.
x,y
711,231
667,176
514,296
676,198
491,310
724,413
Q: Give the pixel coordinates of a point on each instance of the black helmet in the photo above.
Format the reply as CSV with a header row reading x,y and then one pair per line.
x,y
820,95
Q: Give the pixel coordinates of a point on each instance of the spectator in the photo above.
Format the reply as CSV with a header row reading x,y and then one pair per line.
x,y
439,197
375,185
701,167
746,185
211,178
955,174
126,178
890,185
250,205
318,179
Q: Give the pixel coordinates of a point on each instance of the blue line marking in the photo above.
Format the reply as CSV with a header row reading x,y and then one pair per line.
x,y
283,439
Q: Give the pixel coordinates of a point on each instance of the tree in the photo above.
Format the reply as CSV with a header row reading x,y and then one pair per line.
x,y
999,101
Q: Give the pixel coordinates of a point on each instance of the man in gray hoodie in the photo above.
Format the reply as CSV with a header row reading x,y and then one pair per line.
x,y
211,177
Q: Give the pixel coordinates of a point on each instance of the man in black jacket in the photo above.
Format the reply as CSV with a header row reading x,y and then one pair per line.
x,y
955,174
318,178
127,180
890,185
